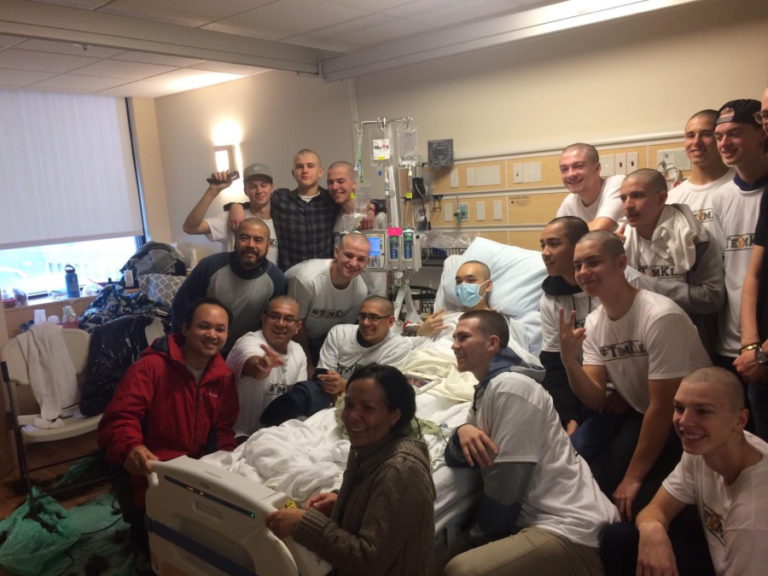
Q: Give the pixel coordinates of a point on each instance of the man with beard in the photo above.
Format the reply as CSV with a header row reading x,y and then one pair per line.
x,y
244,280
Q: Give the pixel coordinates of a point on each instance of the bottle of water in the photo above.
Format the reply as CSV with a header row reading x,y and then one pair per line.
x,y
73,286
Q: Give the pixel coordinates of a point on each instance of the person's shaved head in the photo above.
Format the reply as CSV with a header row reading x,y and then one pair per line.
x,y
653,178
608,241
724,381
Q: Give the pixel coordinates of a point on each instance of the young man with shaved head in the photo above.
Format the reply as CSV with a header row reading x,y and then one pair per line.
x,y
266,363
329,292
351,346
673,252
708,171
542,512
723,473
560,291
643,344
592,198
304,216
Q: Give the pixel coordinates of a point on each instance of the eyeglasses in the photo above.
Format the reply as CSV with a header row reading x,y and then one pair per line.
x,y
277,317
372,317
761,116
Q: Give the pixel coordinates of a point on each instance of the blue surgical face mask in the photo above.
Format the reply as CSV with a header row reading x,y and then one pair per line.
x,y
468,294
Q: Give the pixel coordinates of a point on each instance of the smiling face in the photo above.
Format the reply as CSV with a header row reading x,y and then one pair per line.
x,y
366,415
581,174
259,190
307,170
374,321
251,244
597,271
472,347
341,183
351,256
739,143
705,417
206,334
556,250
281,322
642,204
700,145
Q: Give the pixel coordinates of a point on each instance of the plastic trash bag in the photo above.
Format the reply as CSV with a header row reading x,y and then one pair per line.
x,y
36,535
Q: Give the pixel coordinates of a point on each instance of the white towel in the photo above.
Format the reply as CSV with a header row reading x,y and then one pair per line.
x,y
672,238
51,372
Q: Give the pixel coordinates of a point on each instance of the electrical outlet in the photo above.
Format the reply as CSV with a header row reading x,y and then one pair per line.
x,y
620,163
517,173
463,211
631,162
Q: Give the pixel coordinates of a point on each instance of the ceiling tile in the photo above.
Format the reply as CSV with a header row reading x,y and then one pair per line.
x,y
7,41
41,61
77,83
368,30
294,17
439,13
57,47
184,12
372,5
84,4
21,77
152,58
121,69
170,83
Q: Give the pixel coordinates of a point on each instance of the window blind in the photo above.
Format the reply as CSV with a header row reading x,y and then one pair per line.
x,y
66,169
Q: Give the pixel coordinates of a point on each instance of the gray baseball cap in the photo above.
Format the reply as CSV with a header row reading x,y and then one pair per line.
x,y
257,169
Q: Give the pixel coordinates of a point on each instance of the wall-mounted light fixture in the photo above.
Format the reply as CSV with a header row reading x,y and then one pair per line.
x,y
225,158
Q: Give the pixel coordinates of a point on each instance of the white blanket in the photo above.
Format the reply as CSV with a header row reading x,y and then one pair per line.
x,y
301,459
51,372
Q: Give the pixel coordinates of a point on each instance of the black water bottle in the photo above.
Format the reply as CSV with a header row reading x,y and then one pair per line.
x,y
73,287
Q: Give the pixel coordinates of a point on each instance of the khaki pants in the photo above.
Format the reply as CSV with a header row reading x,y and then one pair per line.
x,y
532,551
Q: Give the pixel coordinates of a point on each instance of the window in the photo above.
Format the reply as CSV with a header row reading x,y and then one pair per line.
x,y
40,270
74,198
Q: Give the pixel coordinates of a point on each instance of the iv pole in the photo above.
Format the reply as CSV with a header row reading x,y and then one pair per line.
x,y
386,155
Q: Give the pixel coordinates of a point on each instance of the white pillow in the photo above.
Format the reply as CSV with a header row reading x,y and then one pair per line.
x,y
517,274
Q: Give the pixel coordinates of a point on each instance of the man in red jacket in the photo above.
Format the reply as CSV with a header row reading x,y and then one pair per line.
x,y
179,398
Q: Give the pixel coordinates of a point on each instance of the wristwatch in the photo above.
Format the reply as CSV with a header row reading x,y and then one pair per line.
x,y
760,356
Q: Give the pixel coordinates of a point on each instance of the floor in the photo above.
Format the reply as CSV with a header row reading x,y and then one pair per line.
x,y
11,491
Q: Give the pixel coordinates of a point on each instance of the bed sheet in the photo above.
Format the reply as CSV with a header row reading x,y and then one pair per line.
x,y
302,458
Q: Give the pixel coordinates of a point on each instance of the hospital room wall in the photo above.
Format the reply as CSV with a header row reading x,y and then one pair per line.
x,y
638,76
278,114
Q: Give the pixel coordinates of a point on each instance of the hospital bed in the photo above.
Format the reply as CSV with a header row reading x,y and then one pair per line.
x,y
209,516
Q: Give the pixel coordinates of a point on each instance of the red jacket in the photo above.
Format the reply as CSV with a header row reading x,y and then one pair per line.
x,y
158,404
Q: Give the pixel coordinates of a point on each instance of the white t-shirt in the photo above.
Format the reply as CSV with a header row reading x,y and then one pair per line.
x,y
654,340
255,395
699,198
607,204
735,214
733,517
342,352
220,232
550,305
321,304
517,413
